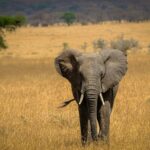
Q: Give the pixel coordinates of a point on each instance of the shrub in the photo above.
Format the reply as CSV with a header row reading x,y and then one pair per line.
x,y
124,44
134,43
2,43
20,20
99,44
69,18
12,20
84,46
1,31
84,23
10,28
65,46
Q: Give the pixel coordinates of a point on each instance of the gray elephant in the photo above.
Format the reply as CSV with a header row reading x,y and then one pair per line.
x,y
94,79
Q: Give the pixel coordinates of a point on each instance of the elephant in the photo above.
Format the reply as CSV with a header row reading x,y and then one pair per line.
x,y
94,79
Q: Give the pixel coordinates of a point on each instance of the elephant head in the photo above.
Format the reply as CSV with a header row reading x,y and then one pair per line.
x,y
90,75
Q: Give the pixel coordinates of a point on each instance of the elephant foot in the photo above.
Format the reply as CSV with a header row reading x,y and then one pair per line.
x,y
94,137
103,138
84,141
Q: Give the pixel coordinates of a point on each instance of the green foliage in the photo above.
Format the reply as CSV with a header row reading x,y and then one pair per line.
x,y
20,20
10,28
99,44
1,31
124,44
2,43
12,20
69,17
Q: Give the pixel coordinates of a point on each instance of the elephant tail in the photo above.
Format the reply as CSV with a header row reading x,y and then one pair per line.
x,y
65,103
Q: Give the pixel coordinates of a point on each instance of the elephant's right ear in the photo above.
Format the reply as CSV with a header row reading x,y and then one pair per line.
x,y
66,63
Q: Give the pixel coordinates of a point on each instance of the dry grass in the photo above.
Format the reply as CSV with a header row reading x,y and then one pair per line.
x,y
31,90
48,41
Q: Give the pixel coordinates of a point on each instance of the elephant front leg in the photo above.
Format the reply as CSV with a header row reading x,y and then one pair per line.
x,y
83,114
104,121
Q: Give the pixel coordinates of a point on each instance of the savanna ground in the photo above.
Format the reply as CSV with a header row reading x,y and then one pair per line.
x,y
31,90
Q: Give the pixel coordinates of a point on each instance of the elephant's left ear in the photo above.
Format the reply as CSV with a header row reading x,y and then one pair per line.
x,y
115,63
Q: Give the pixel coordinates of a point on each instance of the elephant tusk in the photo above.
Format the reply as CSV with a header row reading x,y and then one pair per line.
x,y
102,100
81,98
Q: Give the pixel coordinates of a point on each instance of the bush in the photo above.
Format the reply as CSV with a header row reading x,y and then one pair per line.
x,y
124,44
84,46
69,17
65,46
84,23
134,43
2,43
1,31
10,28
12,20
19,20
99,44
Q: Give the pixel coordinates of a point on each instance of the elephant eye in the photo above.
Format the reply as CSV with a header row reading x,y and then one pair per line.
x,y
81,75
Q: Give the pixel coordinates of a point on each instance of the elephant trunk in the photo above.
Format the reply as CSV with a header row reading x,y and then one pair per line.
x,y
92,96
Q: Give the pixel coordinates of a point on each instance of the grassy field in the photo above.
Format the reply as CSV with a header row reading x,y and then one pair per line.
x,y
31,90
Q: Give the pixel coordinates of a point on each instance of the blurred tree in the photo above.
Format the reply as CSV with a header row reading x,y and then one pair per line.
x,y
2,41
12,20
69,17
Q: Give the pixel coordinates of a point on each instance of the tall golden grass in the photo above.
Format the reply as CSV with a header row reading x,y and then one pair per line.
x,y
31,90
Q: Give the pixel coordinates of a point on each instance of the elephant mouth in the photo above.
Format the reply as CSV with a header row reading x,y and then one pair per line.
x,y
82,97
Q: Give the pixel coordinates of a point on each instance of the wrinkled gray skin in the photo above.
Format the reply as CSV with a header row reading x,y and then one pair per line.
x,y
92,73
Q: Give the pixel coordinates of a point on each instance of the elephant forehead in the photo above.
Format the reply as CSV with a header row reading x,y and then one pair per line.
x,y
88,58
89,67
88,62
